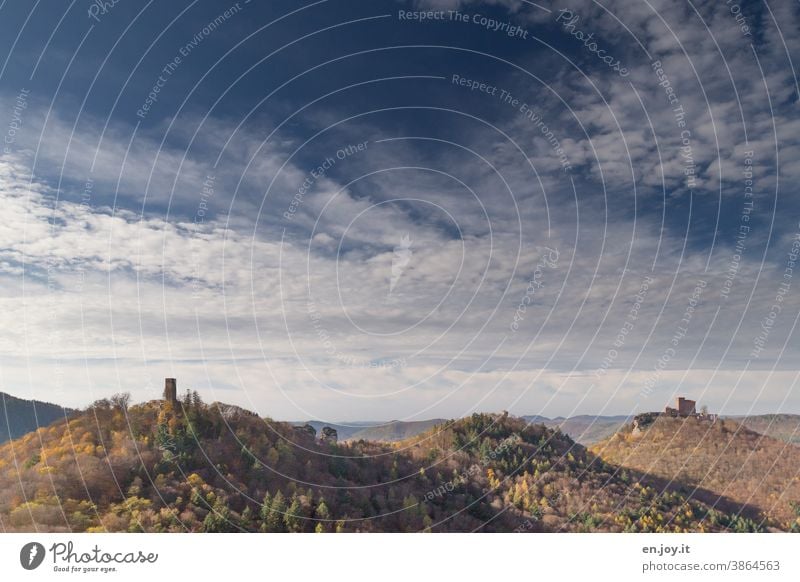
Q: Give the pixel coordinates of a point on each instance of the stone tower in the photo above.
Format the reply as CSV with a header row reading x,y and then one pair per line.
x,y
171,390
686,407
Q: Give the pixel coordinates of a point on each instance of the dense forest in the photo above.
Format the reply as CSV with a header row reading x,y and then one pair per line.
x,y
19,417
199,467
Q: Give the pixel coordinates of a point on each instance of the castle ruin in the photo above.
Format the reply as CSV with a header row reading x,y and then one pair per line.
x,y
171,390
685,407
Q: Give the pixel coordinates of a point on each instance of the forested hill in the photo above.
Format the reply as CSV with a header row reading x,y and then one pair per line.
x,y
190,466
18,417
723,463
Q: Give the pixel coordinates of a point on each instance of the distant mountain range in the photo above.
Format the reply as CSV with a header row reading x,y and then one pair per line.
x,y
394,430
19,417
785,427
584,429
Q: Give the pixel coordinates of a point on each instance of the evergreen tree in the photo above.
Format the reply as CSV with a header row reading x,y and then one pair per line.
x,y
247,518
323,514
273,520
292,519
264,512
322,511
218,519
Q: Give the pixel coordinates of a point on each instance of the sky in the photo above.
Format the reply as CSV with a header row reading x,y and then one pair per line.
x,y
379,209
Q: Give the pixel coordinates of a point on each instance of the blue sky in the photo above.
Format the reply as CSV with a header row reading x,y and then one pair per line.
x,y
345,211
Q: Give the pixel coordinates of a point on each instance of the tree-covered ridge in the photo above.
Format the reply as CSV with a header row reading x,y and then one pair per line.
x,y
212,468
722,463
18,416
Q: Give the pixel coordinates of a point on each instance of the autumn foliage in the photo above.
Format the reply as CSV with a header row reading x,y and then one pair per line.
x,y
218,468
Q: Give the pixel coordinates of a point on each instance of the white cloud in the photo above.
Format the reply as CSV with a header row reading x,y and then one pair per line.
x,y
301,323
115,291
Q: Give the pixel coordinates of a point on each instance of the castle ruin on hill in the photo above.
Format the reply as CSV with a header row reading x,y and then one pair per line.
x,y
327,434
684,408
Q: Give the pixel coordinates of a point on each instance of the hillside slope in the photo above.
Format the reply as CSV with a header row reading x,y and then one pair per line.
x,y
198,467
586,429
784,427
723,464
18,416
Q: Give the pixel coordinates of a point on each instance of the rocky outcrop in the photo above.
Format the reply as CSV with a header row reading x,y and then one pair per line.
x,y
307,429
329,435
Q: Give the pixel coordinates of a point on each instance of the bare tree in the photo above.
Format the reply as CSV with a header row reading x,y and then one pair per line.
x,y
121,401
